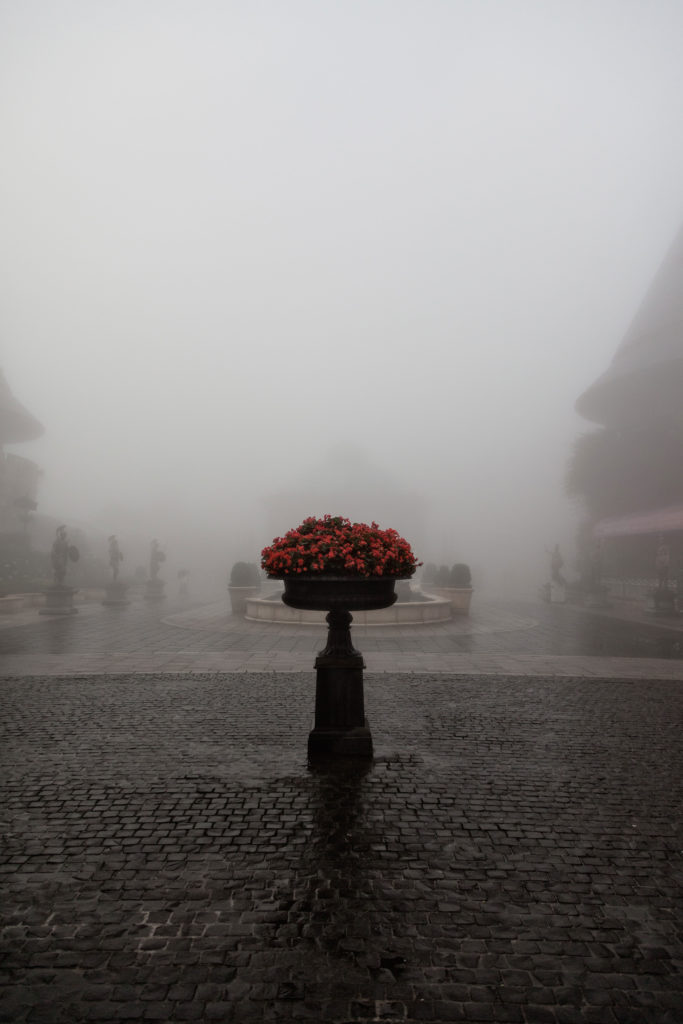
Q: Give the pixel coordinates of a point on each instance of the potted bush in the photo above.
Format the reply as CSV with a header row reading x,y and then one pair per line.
x,y
429,574
442,576
455,584
460,576
460,589
244,583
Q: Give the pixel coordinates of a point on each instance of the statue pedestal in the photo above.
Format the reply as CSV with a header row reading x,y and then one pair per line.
x,y
59,600
558,593
662,601
154,590
596,598
115,594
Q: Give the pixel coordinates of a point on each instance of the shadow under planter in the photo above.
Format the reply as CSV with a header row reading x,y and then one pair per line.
x,y
340,726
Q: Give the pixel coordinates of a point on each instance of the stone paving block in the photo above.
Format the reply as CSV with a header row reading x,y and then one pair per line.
x,y
512,853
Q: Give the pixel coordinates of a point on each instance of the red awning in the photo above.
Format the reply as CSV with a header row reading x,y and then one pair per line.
x,y
662,520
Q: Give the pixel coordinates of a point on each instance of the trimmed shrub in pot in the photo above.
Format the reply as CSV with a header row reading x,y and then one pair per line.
x,y
455,584
244,583
460,576
459,590
244,574
443,576
429,574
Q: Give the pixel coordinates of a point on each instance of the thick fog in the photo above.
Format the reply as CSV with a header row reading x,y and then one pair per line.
x,y
255,251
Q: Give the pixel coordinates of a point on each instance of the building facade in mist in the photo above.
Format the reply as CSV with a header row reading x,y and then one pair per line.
x,y
629,472
18,476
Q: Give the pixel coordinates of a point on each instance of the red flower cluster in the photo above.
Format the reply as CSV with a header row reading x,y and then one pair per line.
x,y
335,546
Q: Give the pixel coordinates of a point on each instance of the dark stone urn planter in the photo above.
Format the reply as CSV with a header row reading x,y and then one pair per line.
x,y
340,726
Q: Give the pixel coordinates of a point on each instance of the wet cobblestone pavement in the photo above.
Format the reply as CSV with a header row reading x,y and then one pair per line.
x,y
493,629
513,853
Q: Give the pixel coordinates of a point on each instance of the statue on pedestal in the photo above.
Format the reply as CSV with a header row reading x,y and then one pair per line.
x,y
662,565
115,557
157,556
62,553
558,584
154,591
59,597
115,591
663,598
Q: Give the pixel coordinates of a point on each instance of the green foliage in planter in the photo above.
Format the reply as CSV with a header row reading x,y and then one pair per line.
x,y
244,574
429,573
460,576
443,576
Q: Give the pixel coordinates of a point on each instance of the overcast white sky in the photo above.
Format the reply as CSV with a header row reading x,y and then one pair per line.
x,y
236,233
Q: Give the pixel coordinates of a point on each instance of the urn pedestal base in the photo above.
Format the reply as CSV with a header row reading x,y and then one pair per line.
x,y
340,727
340,743
59,600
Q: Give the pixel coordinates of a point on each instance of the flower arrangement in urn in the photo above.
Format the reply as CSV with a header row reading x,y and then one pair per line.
x,y
334,546
337,566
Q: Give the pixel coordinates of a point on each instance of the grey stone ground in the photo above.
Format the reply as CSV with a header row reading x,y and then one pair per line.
x,y
513,853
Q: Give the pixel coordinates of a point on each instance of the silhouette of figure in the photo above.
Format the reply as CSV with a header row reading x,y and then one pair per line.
x,y
156,557
662,563
115,556
556,563
61,554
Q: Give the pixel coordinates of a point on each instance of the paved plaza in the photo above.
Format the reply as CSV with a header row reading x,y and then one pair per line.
x,y
512,638
512,853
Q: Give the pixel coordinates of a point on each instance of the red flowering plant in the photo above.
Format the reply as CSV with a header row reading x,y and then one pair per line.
x,y
335,546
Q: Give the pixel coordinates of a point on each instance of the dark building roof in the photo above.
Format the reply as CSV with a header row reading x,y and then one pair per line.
x,y
644,381
16,422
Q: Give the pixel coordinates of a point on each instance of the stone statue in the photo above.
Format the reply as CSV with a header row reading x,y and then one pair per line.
x,y
595,567
156,558
62,553
662,564
556,563
115,557
555,590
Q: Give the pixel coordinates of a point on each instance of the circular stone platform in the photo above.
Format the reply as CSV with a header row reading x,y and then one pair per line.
x,y
402,613
216,617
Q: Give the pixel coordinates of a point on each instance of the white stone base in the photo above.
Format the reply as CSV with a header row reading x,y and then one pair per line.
x,y
402,613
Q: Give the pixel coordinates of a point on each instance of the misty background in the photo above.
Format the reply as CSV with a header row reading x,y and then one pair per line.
x,y
251,246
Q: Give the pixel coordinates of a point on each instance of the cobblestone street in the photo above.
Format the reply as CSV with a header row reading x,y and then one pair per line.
x,y
513,852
